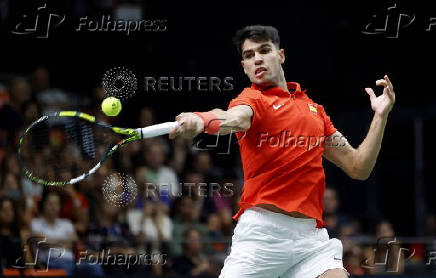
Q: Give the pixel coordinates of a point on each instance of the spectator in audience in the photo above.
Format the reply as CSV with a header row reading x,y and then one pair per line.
x,y
12,110
75,207
214,233
201,192
202,163
223,199
185,218
334,219
49,98
192,261
21,93
181,150
10,186
151,225
352,261
146,116
110,230
388,255
163,177
61,236
40,79
30,112
11,251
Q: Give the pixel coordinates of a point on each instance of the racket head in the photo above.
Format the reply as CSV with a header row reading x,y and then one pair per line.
x,y
63,148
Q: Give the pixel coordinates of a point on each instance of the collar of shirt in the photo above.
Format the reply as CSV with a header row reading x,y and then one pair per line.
x,y
293,87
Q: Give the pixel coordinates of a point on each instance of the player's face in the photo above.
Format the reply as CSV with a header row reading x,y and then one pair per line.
x,y
262,62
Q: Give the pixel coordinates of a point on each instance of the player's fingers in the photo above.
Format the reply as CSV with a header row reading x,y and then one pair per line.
x,y
390,92
381,82
172,133
388,81
191,125
178,117
371,93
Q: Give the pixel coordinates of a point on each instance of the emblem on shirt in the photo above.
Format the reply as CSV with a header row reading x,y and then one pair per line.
x,y
312,108
277,106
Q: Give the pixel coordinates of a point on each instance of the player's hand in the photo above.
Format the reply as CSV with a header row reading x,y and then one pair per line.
x,y
383,103
190,125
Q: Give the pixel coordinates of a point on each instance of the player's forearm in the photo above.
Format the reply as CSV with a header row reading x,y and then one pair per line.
x,y
231,121
217,121
367,153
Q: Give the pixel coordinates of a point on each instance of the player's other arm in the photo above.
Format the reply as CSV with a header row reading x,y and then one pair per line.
x,y
358,163
236,119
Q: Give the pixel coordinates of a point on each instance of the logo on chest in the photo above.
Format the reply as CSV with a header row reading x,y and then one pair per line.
x,y
277,106
312,108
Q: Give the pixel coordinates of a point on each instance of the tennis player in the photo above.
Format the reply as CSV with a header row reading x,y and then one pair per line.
x,y
283,136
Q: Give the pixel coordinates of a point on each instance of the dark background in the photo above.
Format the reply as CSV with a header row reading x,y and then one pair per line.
x,y
326,52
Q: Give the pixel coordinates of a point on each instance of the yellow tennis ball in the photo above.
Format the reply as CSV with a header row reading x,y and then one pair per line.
x,y
111,106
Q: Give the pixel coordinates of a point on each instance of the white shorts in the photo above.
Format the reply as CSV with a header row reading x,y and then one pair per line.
x,y
266,244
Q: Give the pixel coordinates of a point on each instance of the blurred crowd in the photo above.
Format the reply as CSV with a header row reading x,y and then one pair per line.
x,y
183,228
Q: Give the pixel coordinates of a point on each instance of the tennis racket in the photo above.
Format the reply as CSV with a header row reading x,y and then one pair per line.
x,y
67,147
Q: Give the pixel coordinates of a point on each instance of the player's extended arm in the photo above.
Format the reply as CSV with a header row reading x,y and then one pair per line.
x,y
358,163
236,119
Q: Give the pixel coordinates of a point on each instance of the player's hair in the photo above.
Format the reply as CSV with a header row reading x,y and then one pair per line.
x,y
257,33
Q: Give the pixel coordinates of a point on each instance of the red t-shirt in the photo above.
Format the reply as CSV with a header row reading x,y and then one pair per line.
x,y
282,150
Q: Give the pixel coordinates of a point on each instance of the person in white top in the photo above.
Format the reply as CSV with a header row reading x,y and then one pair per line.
x,y
58,235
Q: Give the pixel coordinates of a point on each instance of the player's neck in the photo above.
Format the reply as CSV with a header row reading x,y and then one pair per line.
x,y
281,83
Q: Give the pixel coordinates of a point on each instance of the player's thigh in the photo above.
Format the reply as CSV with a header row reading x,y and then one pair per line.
x,y
324,258
255,253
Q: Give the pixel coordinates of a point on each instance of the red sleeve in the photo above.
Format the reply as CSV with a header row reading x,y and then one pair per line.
x,y
251,98
329,128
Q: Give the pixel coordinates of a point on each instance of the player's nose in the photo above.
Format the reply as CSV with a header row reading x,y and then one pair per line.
x,y
258,59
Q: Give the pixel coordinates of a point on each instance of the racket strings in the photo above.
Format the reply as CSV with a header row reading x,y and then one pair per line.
x,y
61,148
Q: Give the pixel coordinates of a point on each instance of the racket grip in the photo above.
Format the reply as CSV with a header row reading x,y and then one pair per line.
x,y
157,130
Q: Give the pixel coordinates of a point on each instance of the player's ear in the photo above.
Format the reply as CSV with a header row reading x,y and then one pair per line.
x,y
282,55
242,64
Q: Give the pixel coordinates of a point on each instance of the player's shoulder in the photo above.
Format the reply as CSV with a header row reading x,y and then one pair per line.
x,y
250,93
305,97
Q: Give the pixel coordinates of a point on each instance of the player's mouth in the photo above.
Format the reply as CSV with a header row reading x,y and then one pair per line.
x,y
260,72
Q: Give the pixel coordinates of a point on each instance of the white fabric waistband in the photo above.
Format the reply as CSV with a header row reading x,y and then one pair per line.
x,y
261,216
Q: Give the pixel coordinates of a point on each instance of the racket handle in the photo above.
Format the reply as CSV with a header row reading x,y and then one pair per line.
x,y
157,130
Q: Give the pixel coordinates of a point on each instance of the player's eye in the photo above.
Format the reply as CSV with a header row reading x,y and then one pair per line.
x,y
265,50
248,55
